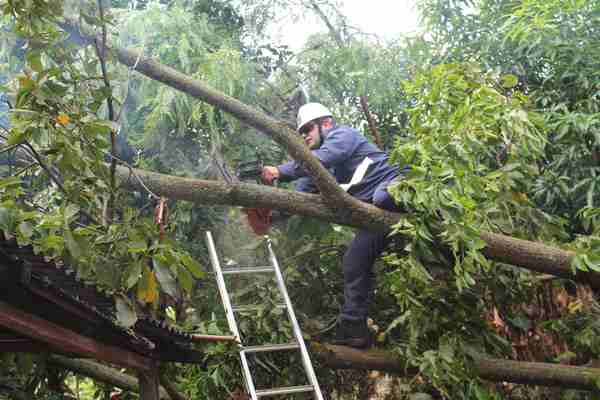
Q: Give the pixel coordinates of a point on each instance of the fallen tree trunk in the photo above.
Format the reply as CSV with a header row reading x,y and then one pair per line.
x,y
496,370
250,195
101,373
521,253
342,357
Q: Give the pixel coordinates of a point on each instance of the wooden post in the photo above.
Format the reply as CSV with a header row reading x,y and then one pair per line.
x,y
148,381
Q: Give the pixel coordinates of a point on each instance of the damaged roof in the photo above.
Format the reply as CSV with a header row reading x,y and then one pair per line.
x,y
39,286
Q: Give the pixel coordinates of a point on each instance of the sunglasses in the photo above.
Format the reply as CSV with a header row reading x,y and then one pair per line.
x,y
306,128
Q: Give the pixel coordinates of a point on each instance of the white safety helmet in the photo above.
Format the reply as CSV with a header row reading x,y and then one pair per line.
x,y
311,111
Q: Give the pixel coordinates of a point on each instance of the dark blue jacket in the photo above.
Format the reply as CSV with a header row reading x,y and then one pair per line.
x,y
342,150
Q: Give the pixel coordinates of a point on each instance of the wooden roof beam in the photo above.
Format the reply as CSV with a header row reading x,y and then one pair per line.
x,y
22,345
69,341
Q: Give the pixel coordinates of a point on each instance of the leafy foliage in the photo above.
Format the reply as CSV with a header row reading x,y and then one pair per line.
x,y
55,118
472,158
473,154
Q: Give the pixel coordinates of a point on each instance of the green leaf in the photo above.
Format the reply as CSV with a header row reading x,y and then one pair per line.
x,y
184,277
481,393
71,211
446,352
521,322
420,396
108,275
97,128
579,263
164,277
26,229
91,19
590,194
35,61
71,244
137,247
16,136
126,314
592,261
133,273
10,181
193,266
7,219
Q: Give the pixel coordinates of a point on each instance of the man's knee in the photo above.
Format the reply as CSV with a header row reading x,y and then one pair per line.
x,y
382,199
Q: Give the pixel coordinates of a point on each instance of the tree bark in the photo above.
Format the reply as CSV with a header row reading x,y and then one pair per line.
x,y
148,381
496,370
365,106
334,202
170,388
101,373
341,357
252,195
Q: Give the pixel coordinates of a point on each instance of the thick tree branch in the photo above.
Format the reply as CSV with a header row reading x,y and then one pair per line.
x,y
497,370
334,202
252,195
536,257
101,373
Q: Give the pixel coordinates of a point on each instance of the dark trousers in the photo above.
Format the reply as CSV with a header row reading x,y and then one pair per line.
x,y
359,259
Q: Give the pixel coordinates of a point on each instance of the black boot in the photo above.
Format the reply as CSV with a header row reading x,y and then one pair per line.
x,y
352,333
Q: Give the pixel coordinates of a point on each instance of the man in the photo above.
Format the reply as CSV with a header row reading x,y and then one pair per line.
x,y
363,170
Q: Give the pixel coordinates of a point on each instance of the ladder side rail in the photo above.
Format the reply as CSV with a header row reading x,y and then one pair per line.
x,y
295,326
214,259
229,312
248,376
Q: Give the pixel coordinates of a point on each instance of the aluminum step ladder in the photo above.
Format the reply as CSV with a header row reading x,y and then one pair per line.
x,y
230,311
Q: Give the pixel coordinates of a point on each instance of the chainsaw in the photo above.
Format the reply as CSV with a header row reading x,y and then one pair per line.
x,y
250,171
260,219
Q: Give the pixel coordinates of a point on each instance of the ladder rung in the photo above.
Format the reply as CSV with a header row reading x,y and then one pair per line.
x,y
284,390
247,270
270,347
255,308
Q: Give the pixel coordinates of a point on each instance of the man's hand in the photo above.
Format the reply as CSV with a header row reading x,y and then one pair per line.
x,y
269,174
